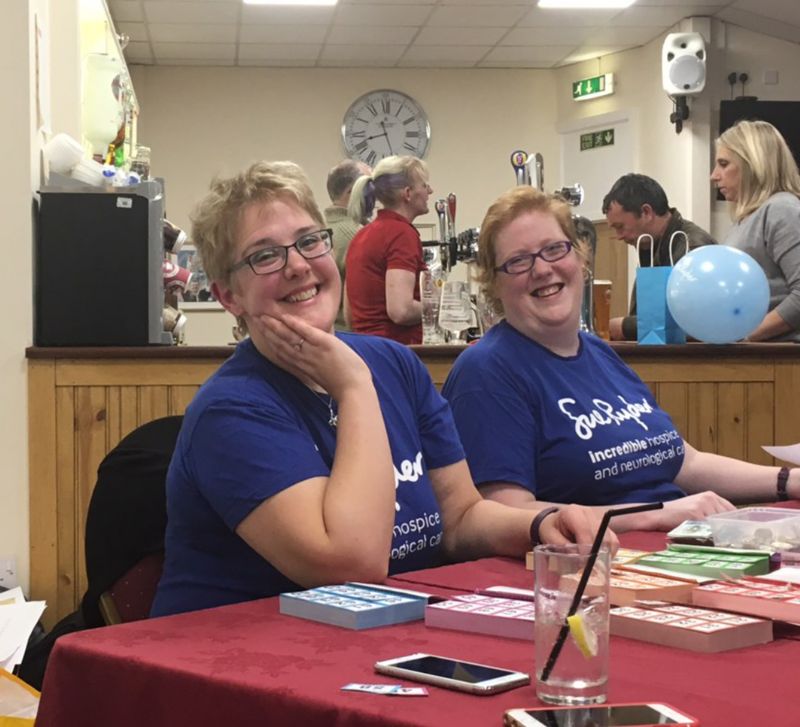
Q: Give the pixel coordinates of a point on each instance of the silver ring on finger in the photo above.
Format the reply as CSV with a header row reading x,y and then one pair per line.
x,y
299,345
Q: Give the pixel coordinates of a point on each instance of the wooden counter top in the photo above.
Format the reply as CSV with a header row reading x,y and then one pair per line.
x,y
626,350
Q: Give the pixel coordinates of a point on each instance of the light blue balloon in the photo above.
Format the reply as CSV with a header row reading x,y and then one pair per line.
x,y
717,294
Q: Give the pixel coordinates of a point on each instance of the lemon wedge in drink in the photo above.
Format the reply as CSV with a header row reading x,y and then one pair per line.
x,y
583,635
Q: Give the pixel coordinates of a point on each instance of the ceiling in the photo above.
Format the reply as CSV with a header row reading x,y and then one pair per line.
x,y
414,33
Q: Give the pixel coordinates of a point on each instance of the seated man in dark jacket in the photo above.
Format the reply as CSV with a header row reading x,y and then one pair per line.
x,y
637,205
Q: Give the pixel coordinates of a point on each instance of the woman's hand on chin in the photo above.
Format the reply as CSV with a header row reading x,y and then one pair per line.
x,y
311,354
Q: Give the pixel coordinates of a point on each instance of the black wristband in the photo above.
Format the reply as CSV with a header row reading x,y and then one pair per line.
x,y
783,479
537,523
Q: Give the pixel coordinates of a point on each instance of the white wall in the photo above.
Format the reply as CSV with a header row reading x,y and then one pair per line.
x,y
20,177
202,121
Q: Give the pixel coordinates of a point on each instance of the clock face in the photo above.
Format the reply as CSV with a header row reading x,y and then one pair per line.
x,y
382,123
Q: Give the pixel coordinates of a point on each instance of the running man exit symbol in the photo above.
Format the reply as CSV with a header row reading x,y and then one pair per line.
x,y
596,139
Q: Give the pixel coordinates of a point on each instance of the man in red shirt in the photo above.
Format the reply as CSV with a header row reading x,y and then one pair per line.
x,y
384,259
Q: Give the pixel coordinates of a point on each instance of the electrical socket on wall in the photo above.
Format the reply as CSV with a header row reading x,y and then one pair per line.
x,y
770,77
8,571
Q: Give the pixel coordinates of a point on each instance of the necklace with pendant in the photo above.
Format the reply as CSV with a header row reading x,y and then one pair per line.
x,y
333,416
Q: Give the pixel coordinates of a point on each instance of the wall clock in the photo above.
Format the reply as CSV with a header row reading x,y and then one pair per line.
x,y
381,123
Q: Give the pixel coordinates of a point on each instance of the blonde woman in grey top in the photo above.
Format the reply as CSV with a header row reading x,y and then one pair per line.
x,y
756,172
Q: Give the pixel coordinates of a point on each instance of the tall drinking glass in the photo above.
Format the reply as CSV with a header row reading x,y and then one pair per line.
x,y
580,673
455,311
430,295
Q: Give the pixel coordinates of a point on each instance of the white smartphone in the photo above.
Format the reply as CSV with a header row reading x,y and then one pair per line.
x,y
601,715
465,676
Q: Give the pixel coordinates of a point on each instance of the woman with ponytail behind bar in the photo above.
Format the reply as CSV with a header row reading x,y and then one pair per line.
x,y
384,259
756,172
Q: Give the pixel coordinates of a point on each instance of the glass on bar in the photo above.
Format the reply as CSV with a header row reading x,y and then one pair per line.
x,y
430,296
455,309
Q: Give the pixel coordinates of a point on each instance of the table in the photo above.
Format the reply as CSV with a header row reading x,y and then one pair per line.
x,y
248,665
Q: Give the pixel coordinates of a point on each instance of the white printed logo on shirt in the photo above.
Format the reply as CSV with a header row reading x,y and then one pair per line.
x,y
603,414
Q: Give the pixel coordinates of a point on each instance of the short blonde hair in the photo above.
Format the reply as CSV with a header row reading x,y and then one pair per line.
x,y
504,210
765,162
386,183
216,218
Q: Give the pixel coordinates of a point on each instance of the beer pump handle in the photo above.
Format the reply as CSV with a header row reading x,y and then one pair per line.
x,y
519,161
451,211
441,211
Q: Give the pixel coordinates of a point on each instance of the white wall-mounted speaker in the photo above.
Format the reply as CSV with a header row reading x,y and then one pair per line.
x,y
683,64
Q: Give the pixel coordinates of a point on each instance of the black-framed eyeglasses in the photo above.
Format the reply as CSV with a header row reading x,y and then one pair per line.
x,y
273,259
523,263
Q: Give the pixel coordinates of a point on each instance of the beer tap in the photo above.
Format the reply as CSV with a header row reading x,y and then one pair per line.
x,y
452,253
584,228
538,177
444,243
522,172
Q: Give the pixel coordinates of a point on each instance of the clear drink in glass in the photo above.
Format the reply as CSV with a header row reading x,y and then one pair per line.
x,y
580,673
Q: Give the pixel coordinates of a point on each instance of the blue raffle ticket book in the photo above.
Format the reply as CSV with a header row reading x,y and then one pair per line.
x,y
355,605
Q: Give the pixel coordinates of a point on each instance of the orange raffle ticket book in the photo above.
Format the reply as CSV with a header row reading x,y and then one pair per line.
x,y
683,627
753,596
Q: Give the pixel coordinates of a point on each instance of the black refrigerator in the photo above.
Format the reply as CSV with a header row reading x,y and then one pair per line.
x,y
97,266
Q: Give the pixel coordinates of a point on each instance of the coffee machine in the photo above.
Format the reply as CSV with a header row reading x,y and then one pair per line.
x,y
98,266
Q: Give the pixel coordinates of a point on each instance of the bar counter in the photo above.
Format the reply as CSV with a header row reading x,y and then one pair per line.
x,y
729,399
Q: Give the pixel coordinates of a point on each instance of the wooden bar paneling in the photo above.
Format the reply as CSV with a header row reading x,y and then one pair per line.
x,y
731,420
760,409
674,399
787,416
728,400
67,482
128,410
691,370
179,398
43,471
130,373
702,432
153,403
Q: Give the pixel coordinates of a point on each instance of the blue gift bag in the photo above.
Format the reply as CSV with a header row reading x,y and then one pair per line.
x,y
654,323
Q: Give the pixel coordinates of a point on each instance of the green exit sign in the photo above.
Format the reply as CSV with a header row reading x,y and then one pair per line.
x,y
596,139
593,87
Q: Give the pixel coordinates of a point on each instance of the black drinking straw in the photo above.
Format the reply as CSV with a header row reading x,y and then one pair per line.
x,y
562,634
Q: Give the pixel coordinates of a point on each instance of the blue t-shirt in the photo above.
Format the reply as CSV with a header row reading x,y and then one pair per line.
x,y
579,429
252,431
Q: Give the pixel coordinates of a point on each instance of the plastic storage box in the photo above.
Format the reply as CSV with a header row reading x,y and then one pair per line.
x,y
760,528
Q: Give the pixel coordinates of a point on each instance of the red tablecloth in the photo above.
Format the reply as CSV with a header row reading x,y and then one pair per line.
x,y
248,665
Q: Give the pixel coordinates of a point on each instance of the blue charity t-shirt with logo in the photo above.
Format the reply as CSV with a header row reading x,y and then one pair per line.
x,y
254,430
579,429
